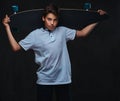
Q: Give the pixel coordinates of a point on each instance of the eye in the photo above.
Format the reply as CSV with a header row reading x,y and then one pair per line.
x,y
55,19
49,19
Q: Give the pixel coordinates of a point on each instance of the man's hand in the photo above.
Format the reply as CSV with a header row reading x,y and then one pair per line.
x,y
6,21
101,12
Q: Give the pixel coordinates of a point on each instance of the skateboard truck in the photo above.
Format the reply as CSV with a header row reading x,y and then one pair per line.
x,y
15,9
87,6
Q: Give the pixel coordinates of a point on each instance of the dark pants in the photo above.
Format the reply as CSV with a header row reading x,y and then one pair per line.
x,y
53,93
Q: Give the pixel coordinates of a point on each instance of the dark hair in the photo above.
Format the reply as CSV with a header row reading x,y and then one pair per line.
x,y
51,8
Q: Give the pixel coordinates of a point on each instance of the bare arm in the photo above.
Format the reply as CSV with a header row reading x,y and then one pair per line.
x,y
86,30
15,46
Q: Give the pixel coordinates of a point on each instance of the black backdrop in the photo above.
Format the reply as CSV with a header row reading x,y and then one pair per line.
x,y
95,59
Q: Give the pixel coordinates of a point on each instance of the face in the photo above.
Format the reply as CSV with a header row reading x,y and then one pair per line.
x,y
50,21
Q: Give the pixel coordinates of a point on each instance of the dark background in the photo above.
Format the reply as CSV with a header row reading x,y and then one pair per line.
x,y
95,58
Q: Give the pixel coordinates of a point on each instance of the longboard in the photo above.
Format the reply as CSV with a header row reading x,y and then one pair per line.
x,y
25,21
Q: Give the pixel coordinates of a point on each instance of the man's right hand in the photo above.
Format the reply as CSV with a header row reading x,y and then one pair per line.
x,y
6,21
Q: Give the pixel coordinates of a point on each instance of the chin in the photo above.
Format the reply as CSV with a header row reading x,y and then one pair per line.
x,y
52,29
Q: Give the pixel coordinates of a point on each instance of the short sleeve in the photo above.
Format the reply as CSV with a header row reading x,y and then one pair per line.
x,y
27,42
70,34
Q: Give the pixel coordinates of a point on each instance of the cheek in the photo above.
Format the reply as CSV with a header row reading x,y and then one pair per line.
x,y
55,23
47,22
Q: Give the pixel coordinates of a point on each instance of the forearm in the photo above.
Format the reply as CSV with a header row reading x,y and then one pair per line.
x,y
85,31
89,28
15,46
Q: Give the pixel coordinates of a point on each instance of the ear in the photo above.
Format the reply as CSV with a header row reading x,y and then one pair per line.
x,y
43,18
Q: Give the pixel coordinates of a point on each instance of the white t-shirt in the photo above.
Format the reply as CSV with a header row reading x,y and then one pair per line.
x,y
51,54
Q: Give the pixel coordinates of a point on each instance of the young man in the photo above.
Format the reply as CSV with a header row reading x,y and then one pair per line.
x,y
50,48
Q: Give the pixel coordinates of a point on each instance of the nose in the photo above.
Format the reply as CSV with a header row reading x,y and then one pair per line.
x,y
52,22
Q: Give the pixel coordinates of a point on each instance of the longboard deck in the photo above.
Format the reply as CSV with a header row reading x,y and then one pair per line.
x,y
26,21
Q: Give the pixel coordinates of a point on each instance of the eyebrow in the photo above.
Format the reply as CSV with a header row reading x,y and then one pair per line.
x,y
51,18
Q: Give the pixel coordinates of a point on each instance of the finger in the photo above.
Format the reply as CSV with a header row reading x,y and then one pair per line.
x,y
99,10
6,16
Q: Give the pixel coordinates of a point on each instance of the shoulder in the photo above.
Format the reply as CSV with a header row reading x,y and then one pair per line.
x,y
62,28
36,30
66,29
34,33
